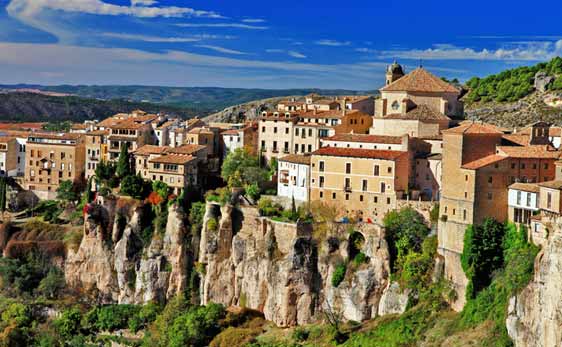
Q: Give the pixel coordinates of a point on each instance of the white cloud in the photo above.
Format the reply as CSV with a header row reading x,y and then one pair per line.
x,y
529,51
364,50
143,2
333,43
221,49
295,54
253,20
22,9
222,25
148,38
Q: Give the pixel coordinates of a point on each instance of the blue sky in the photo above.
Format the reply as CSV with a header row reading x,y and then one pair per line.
x,y
268,44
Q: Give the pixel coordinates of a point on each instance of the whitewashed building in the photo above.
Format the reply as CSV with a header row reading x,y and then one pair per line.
x,y
294,177
523,202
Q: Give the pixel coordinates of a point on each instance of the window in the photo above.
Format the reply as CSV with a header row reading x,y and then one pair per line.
x,y
513,165
334,196
347,168
309,148
389,170
490,196
534,166
376,170
321,195
347,183
286,130
395,105
465,195
464,214
321,166
321,181
346,196
376,199
364,185
263,129
518,197
309,132
529,199
388,201
361,198
454,211
522,166
383,187
62,155
546,166
297,131
549,200
275,130
263,145
490,179
296,147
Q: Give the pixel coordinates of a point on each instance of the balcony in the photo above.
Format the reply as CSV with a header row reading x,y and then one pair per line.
x,y
347,189
286,151
275,150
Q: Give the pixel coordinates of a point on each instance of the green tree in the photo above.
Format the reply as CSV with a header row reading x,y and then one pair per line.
x,y
124,162
68,324
3,194
67,191
52,283
133,186
161,188
197,327
482,254
241,168
105,170
405,231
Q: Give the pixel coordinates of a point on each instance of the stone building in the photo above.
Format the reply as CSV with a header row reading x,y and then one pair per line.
x,y
477,171
363,183
243,137
132,133
418,104
8,156
178,171
53,158
96,150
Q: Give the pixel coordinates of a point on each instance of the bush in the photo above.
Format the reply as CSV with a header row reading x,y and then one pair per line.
x,y
253,191
112,317
267,208
133,186
300,334
52,284
360,258
146,315
405,231
339,274
212,224
196,215
68,324
196,327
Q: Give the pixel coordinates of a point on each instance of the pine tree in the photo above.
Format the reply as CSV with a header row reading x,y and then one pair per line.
x,y
123,163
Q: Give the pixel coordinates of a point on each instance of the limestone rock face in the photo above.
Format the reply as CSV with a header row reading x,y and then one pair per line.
x,y
542,80
112,262
278,269
393,300
535,315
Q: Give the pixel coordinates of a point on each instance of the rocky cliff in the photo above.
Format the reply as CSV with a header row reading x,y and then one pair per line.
x,y
535,315
113,264
282,270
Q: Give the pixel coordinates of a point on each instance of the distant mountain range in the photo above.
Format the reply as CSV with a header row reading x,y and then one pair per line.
x,y
188,101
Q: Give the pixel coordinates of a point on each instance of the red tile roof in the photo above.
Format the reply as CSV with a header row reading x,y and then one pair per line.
x,y
482,162
421,112
551,184
420,80
178,159
151,149
475,128
296,159
538,152
186,149
365,138
360,153
328,114
519,139
526,187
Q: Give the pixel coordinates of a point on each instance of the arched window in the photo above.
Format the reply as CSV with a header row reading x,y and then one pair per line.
x,y
395,105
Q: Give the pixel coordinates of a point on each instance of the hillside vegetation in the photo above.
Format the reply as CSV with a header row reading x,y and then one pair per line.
x,y
514,84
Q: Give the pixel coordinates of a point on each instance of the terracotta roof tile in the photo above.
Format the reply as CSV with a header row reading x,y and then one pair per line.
x,y
365,138
186,149
482,162
359,153
551,184
539,152
519,139
151,149
420,80
328,114
296,159
178,159
421,112
526,187
475,128
56,136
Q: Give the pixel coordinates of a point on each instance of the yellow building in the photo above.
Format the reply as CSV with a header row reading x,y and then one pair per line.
x,y
364,183
96,150
178,171
8,156
53,158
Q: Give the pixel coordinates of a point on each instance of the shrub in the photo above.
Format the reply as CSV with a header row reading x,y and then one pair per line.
x,y
68,324
52,284
339,274
253,191
300,334
212,224
267,208
133,186
360,258
196,327
113,317
196,215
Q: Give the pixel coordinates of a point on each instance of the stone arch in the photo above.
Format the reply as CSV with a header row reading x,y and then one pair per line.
x,y
355,244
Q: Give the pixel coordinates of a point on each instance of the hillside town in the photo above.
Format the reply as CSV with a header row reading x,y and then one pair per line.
x,y
363,155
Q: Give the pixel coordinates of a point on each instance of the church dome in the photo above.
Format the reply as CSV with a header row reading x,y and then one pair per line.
x,y
395,68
